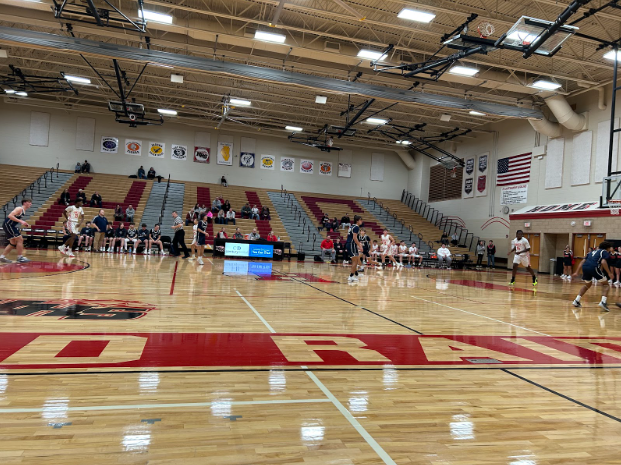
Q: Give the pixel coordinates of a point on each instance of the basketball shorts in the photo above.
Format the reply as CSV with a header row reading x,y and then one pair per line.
x,y
142,240
10,230
522,259
73,227
589,273
200,240
567,261
352,249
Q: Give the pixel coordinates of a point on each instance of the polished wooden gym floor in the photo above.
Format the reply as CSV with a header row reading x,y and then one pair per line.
x,y
155,360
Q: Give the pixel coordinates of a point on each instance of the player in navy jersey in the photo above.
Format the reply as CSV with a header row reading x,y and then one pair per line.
x,y
132,236
595,266
201,237
354,248
13,234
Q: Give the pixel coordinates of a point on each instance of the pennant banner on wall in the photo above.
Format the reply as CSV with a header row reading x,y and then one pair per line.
x,y
287,164
307,166
268,162
247,150
325,168
225,153
133,147
482,175
179,152
201,154
467,190
246,160
156,149
109,144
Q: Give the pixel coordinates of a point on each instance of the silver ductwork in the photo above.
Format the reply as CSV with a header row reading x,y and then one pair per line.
x,y
565,114
543,126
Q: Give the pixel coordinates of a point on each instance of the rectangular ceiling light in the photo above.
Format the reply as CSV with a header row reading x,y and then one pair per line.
x,y
611,55
270,37
156,17
477,113
321,99
416,15
370,54
294,129
9,91
178,78
544,84
463,70
21,94
77,79
376,121
164,111
240,102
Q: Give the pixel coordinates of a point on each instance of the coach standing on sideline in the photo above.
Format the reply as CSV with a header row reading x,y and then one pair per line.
x,y
179,239
100,223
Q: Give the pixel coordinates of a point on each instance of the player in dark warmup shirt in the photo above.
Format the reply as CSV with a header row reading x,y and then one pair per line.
x,y
353,247
155,236
13,234
201,237
132,236
143,238
595,266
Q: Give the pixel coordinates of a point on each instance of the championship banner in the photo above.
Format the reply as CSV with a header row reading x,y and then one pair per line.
x,y
156,149
307,166
268,162
246,160
467,190
201,154
133,147
482,175
287,164
109,144
325,168
225,153
179,152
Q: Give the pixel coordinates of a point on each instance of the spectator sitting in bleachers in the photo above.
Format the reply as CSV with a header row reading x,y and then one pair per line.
x,y
238,234
255,213
86,167
454,239
223,182
86,235
444,255
196,209
141,173
190,217
325,222
265,213
219,203
118,213
345,222
65,198
96,200
444,239
221,218
129,214
109,238
230,216
254,235
214,206
143,238
209,217
151,173
246,211
202,210
78,168
335,224
327,248
81,195
222,234
271,237
226,206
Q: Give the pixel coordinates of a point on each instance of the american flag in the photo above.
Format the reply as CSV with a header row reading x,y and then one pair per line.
x,y
513,170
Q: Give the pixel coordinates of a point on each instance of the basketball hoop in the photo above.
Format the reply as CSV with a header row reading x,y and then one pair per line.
x,y
485,29
615,206
454,172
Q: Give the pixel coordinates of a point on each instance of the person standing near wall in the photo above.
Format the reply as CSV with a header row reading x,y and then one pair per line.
x,y
491,255
480,254
179,238
568,258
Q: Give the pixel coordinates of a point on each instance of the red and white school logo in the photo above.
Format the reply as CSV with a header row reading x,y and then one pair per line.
x,y
75,309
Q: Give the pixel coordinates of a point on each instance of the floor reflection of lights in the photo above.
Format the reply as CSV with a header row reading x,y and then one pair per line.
x,y
461,427
312,432
137,439
55,409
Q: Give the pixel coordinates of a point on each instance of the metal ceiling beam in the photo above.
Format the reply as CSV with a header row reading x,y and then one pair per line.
x,y
55,42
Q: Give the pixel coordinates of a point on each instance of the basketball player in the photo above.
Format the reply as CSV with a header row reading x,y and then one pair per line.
x,y
403,252
143,238
354,248
155,235
201,238
617,268
74,216
194,244
365,240
86,235
385,250
13,234
568,257
521,247
595,265
394,252
132,236
109,238
414,255
375,251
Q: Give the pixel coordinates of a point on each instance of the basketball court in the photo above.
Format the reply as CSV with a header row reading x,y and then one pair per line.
x,y
242,362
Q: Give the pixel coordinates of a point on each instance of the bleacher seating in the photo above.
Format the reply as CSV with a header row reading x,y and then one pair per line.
x,y
15,179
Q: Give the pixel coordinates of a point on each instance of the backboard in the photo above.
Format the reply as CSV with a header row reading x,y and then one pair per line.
x,y
527,31
611,191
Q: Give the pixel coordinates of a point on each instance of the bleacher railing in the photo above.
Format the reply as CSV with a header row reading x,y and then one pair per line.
x,y
449,226
161,218
33,185
416,238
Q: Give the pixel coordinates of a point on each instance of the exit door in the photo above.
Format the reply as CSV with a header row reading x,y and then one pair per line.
x,y
582,242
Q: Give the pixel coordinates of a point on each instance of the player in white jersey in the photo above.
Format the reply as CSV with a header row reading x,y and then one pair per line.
x,y
194,244
521,247
403,252
375,250
415,255
386,249
74,216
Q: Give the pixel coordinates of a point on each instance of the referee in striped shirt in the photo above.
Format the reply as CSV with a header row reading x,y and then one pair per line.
x,y
178,242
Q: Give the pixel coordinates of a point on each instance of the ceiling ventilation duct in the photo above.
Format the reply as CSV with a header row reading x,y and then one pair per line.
x,y
565,114
543,126
407,158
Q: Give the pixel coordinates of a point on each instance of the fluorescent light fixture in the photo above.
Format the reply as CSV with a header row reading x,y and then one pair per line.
x,y
156,17
416,15
270,37
611,55
9,91
544,84
164,111
376,121
445,117
463,70
321,99
370,54
22,94
4,54
403,142
77,79
160,65
477,113
294,129
240,102
178,78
